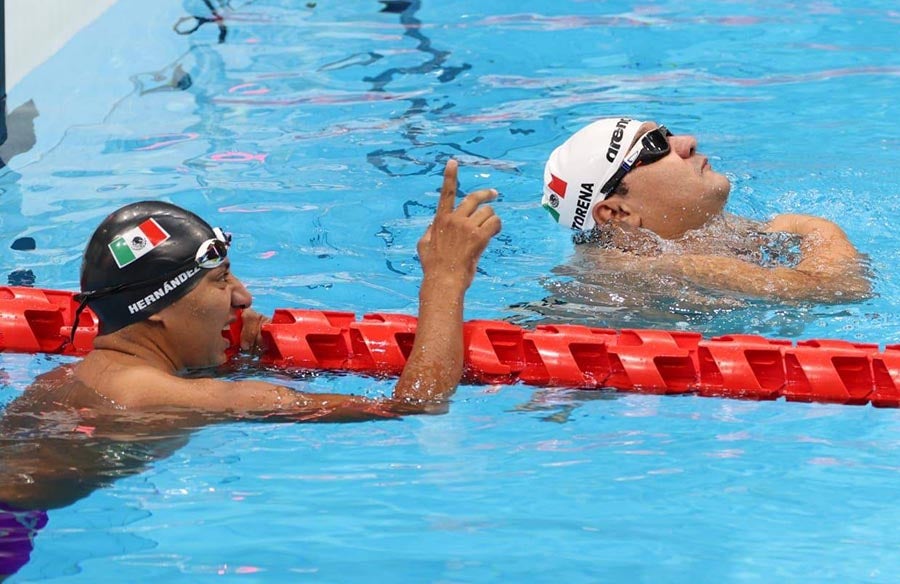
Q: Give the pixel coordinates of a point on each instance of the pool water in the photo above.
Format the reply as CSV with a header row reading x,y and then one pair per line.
x,y
316,133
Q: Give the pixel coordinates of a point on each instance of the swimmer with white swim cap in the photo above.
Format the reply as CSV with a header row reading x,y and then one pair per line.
x,y
649,197
584,179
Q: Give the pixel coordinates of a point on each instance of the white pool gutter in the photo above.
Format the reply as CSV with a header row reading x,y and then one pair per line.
x,y
36,29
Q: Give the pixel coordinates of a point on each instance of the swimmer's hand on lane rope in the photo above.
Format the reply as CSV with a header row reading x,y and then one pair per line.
x,y
251,339
454,242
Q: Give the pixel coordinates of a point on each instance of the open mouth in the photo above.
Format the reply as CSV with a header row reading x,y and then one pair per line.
x,y
226,333
228,324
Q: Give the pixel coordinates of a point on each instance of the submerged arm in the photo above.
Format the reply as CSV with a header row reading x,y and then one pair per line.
x,y
830,268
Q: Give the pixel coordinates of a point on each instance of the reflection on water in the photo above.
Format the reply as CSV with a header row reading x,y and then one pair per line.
x,y
558,405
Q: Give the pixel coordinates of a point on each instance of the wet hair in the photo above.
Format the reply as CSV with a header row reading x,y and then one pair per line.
x,y
598,235
621,190
140,260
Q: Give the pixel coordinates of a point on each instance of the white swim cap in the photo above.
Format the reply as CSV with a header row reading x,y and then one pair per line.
x,y
578,169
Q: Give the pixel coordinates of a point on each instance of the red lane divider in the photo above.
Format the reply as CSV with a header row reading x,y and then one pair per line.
x,y
830,371
567,356
647,361
886,371
33,320
747,366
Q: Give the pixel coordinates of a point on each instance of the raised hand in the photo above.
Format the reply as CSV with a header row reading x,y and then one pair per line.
x,y
449,252
450,249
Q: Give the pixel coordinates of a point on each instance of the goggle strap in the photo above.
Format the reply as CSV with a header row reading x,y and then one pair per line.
x,y
81,306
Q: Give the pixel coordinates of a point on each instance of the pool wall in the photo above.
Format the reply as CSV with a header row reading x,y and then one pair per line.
x,y
34,31
56,97
30,34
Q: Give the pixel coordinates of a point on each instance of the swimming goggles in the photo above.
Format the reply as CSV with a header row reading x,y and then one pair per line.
x,y
651,147
212,252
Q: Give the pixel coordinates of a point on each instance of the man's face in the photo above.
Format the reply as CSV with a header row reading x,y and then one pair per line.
x,y
197,320
677,193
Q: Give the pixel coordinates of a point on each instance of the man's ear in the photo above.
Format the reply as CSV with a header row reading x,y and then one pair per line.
x,y
162,317
615,209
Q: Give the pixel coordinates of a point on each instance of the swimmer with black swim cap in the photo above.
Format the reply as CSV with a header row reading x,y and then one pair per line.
x,y
144,257
160,281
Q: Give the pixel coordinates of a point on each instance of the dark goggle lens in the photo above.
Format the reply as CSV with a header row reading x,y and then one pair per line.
x,y
655,144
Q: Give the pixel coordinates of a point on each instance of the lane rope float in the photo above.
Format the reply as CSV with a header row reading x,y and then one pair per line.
x,y
739,366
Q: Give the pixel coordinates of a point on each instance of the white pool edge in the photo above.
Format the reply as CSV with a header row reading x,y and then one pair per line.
x,y
78,84
35,31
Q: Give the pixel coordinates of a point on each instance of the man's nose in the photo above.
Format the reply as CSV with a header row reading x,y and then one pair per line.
x,y
684,145
240,296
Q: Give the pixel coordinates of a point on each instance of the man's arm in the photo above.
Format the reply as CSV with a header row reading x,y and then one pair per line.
x,y
211,399
449,252
830,268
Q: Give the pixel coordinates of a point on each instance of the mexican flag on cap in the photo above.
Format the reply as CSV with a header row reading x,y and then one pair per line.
x,y
137,242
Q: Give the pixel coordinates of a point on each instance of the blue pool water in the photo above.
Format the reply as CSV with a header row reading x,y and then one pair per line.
x,y
316,134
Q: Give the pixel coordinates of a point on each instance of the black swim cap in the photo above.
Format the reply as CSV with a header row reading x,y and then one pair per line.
x,y
140,260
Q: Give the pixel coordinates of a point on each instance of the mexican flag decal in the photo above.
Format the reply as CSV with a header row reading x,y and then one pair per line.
x,y
558,186
137,242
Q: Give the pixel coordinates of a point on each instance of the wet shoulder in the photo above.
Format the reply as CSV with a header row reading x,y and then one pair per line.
x,y
58,389
119,381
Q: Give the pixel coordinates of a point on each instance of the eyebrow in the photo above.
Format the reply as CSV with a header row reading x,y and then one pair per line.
x,y
213,273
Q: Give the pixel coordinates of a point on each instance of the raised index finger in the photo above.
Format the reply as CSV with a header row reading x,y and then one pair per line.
x,y
448,189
